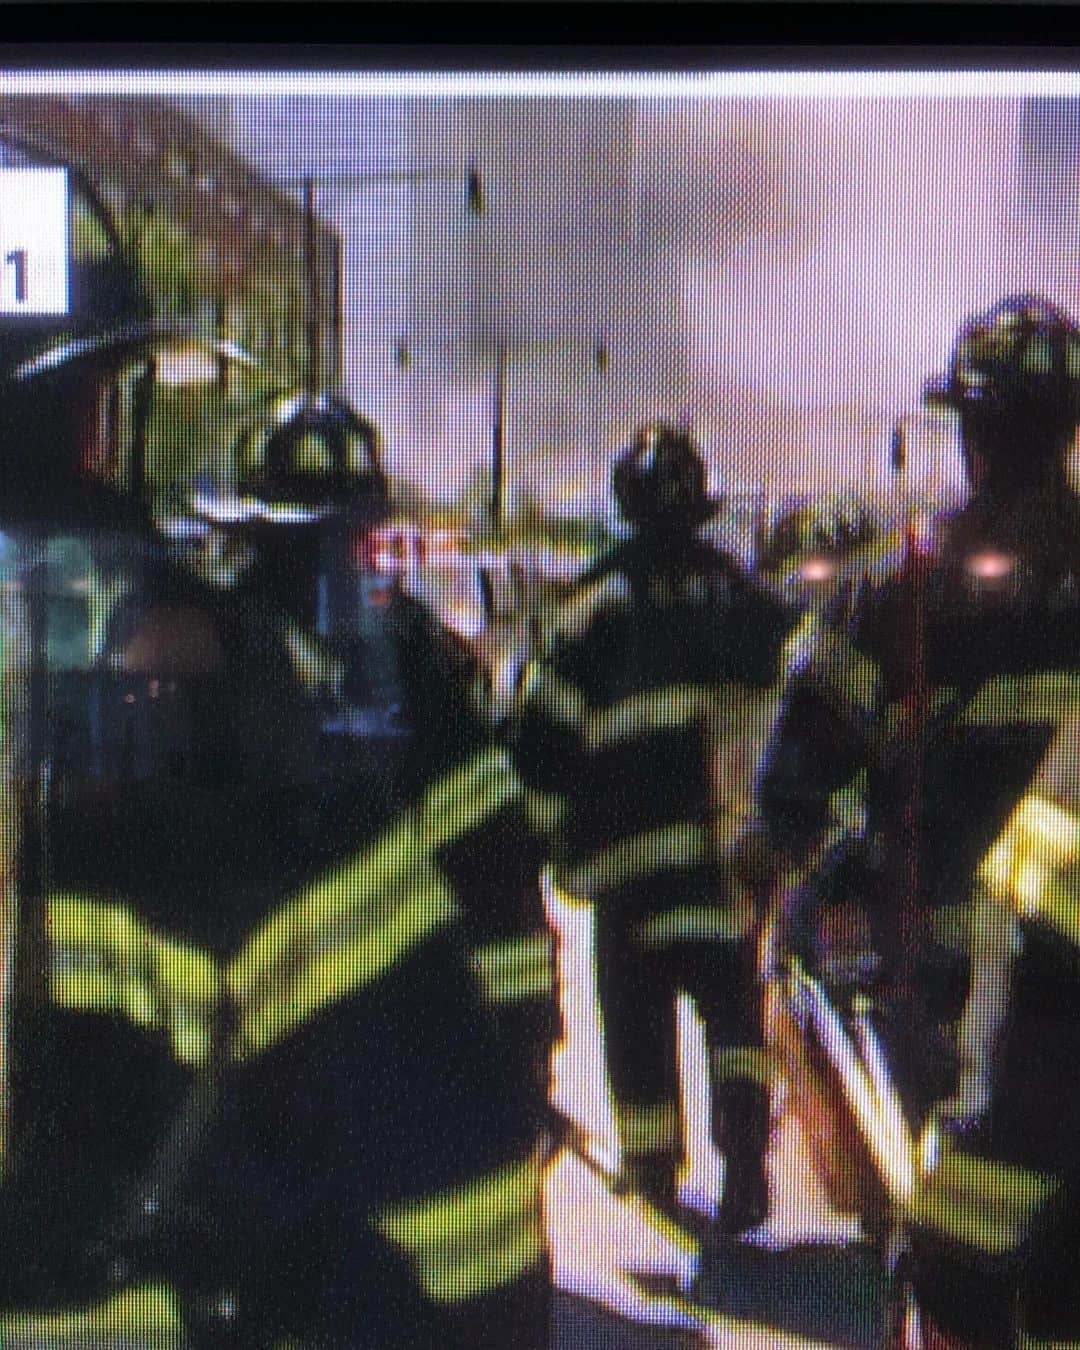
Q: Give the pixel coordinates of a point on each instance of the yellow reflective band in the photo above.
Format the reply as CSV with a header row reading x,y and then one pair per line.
x,y
648,1129
1024,864
651,711
517,969
345,960
149,1311
313,663
670,848
371,911
1059,904
466,797
473,1272
1030,698
748,1062
696,923
675,707
842,672
982,1204
799,645
104,960
467,1242
280,943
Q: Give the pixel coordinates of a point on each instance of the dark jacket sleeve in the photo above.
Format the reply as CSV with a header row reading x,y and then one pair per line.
x,y
822,740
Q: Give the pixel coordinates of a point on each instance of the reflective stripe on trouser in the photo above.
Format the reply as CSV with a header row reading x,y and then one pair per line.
x,y
638,985
147,1316
469,1241
517,969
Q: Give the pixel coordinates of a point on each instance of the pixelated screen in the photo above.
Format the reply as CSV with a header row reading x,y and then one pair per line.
x,y
539,710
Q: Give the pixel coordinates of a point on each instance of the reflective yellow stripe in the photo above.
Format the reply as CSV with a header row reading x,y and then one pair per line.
x,y
313,663
466,1242
653,710
465,797
347,929
670,708
1029,698
799,645
517,969
672,847
982,1204
149,1311
748,1062
104,960
337,936
1032,864
346,957
696,923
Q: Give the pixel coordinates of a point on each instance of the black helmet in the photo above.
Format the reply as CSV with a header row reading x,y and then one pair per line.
x,y
64,457
833,528
659,482
1022,355
315,451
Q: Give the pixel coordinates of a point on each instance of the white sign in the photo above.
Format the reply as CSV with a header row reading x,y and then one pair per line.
x,y
34,241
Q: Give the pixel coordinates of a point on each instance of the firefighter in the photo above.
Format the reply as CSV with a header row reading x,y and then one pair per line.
x,y
950,685
314,466
263,1090
642,720
817,553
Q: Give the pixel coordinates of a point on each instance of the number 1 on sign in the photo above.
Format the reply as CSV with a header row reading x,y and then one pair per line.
x,y
17,256
34,241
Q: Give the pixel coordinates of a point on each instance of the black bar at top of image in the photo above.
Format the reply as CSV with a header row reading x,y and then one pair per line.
x,y
594,35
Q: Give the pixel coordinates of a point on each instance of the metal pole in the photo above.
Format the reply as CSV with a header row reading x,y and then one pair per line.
x,y
311,264
498,449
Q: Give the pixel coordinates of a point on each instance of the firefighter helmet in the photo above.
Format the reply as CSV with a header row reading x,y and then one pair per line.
x,y
67,457
659,482
312,450
1024,353
832,529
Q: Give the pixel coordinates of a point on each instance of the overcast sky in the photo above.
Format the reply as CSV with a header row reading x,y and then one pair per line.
x,y
786,272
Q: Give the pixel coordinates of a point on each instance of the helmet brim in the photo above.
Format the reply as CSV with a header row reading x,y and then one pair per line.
x,y
127,344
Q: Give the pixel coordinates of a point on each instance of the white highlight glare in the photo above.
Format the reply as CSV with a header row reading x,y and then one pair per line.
x,y
991,566
817,569
450,84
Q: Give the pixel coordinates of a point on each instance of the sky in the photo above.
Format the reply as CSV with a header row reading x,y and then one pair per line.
x,y
783,272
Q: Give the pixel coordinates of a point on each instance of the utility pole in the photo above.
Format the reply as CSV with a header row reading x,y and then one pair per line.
x,y
498,444
312,269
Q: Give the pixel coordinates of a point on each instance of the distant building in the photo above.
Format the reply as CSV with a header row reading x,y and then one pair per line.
x,y
211,238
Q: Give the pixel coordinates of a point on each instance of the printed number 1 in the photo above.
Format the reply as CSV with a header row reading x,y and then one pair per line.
x,y
18,257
